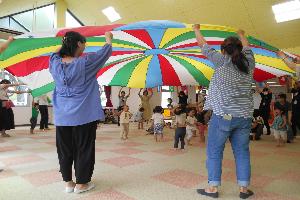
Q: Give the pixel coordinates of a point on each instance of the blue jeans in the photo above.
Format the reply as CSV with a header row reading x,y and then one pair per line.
x,y
237,130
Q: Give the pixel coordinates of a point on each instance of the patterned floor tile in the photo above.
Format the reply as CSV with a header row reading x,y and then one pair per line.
x,y
21,160
181,178
169,152
43,177
107,195
123,161
9,148
127,151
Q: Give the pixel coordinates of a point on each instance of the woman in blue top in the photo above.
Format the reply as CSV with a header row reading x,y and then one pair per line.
x,y
76,107
230,99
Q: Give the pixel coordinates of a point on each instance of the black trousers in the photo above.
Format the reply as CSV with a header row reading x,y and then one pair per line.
x,y
76,144
295,123
33,122
44,116
265,114
179,135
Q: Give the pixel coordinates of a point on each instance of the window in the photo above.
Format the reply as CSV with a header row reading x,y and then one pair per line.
x,y
20,99
165,94
38,19
71,20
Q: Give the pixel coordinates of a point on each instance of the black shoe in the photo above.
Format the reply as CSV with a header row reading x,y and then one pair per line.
x,y
288,141
212,195
246,195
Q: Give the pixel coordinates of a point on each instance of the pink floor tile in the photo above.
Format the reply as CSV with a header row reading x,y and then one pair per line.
x,y
21,160
169,152
284,152
99,149
9,148
258,154
43,177
7,173
262,195
259,181
181,178
228,163
123,161
127,151
40,137
291,176
229,176
103,138
51,143
107,195
131,144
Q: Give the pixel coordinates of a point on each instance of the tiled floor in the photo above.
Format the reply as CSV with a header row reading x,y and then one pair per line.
x,y
140,169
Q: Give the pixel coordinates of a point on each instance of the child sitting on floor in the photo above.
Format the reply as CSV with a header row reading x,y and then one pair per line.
x,y
191,125
280,127
180,131
158,123
139,118
34,116
125,116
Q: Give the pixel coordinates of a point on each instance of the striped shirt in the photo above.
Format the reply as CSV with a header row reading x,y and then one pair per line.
x,y
229,89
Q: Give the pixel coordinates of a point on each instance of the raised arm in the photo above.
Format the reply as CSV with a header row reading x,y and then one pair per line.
x,y
5,44
120,91
199,37
140,92
284,58
246,48
129,92
243,38
212,55
95,61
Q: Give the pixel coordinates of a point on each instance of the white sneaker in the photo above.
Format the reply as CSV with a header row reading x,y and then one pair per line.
x,y
89,187
69,189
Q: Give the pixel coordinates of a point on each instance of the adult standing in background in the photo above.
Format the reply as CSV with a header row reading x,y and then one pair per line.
x,y
256,102
265,105
145,103
43,102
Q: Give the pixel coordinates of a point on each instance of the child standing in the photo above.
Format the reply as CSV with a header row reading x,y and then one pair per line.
x,y
191,125
158,122
180,121
124,122
34,116
201,122
139,118
280,127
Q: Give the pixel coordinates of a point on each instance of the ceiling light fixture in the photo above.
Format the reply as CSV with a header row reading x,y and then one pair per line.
x,y
287,11
111,14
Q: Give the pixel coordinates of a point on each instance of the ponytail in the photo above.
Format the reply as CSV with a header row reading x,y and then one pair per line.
x,y
233,47
70,43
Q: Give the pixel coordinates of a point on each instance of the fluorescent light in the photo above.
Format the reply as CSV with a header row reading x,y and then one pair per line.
x,y
287,11
111,14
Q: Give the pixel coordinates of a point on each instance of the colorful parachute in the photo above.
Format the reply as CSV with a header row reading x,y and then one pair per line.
x,y
145,54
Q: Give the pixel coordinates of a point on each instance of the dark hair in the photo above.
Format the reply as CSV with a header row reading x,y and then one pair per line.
x,y
158,109
145,92
141,109
181,93
5,81
70,43
265,90
182,109
282,96
123,92
36,104
233,47
170,99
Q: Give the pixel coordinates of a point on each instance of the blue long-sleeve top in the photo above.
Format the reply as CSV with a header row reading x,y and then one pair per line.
x,y
76,97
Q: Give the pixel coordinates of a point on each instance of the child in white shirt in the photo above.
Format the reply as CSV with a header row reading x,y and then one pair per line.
x,y
191,126
124,122
158,122
139,118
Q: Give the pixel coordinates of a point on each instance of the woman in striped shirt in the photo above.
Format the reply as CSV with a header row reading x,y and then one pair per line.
x,y
230,99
